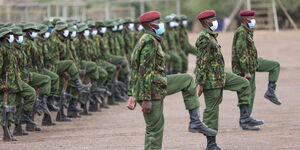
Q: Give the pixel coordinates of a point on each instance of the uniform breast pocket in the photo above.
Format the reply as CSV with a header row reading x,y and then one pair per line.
x,y
159,87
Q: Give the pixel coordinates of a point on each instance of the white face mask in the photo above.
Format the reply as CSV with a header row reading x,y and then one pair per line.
x,y
214,27
73,34
94,32
252,23
33,34
103,30
185,23
161,29
46,35
86,33
115,28
131,26
140,28
11,38
172,24
20,39
66,33
121,27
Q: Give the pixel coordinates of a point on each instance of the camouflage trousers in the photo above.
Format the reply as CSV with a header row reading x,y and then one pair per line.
x,y
26,92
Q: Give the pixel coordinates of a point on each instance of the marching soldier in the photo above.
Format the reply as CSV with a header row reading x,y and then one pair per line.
x,y
245,61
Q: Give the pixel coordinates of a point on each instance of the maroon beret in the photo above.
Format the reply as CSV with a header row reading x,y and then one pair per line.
x,y
149,16
207,14
247,13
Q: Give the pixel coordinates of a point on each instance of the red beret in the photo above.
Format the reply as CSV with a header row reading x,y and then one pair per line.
x,y
149,16
247,13
207,14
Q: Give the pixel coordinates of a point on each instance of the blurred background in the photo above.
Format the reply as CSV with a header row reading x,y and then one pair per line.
x,y
271,14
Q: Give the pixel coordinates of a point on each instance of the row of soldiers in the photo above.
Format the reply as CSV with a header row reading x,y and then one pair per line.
x,y
62,64
150,84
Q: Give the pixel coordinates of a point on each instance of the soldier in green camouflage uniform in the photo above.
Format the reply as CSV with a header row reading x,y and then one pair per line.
x,y
102,52
33,64
150,85
129,36
42,44
179,44
66,69
9,66
116,55
212,79
171,48
184,39
138,31
245,61
85,49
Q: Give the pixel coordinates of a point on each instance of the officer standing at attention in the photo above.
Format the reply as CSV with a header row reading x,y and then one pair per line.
x,y
245,61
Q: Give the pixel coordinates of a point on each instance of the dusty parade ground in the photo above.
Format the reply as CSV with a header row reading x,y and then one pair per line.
x,y
118,128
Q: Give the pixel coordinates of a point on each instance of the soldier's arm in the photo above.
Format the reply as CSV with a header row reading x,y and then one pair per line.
x,y
146,67
241,51
171,42
203,47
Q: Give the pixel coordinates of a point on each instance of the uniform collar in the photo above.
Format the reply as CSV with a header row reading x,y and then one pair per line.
x,y
247,28
153,34
215,35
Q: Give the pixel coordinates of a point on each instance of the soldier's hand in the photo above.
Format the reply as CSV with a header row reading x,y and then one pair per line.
x,y
67,76
200,89
82,74
147,107
248,76
131,103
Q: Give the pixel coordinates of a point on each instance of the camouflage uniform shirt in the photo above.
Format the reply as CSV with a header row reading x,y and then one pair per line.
x,y
210,63
148,64
244,53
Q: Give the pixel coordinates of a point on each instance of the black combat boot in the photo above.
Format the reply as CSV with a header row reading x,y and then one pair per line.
x,y
197,126
18,130
73,111
47,120
211,143
97,95
246,122
50,103
111,98
25,117
270,94
118,92
104,98
32,126
41,105
82,88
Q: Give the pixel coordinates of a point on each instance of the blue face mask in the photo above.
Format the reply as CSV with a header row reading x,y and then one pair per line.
x,y
252,23
50,30
161,29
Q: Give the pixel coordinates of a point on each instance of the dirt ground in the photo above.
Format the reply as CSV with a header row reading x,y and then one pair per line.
x,y
120,129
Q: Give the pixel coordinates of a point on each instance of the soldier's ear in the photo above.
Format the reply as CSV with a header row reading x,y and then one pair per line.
x,y
153,26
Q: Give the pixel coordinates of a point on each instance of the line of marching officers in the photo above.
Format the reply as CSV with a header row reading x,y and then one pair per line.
x,y
61,65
